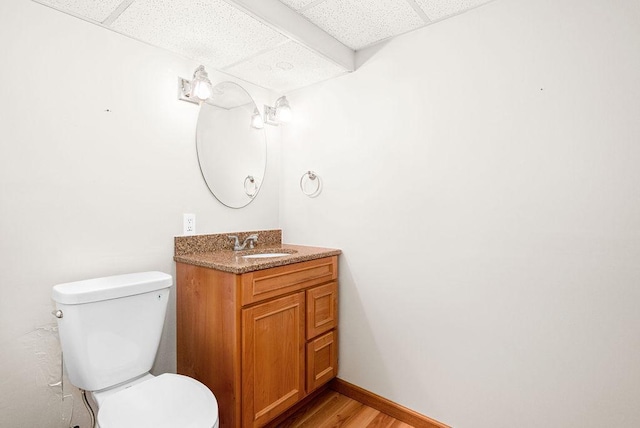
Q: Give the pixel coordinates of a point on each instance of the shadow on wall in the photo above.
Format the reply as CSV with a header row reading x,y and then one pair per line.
x,y
364,55
356,334
41,369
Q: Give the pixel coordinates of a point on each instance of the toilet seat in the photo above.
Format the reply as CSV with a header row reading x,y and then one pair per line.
x,y
166,401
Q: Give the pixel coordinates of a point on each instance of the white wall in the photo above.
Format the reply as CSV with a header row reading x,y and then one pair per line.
x,y
85,192
482,178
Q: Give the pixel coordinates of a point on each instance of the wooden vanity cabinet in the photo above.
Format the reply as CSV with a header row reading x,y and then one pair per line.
x,y
261,341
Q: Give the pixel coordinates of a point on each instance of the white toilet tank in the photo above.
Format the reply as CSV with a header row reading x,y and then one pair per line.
x,y
110,327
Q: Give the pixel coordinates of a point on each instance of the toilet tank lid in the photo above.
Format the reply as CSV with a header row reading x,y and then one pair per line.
x,y
110,287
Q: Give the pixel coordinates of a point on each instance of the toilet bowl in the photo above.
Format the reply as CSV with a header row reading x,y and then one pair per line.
x,y
109,331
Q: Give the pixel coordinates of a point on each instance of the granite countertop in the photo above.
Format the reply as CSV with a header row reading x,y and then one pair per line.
x,y
232,261
213,251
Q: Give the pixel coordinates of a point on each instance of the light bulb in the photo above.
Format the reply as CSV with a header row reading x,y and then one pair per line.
x,y
201,87
201,90
283,110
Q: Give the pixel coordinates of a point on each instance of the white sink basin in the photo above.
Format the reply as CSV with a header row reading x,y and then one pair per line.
x,y
265,255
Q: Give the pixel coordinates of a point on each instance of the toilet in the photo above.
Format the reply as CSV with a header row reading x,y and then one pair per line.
x,y
110,330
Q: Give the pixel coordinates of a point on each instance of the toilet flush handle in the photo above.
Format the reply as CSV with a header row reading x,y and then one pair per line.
x,y
57,314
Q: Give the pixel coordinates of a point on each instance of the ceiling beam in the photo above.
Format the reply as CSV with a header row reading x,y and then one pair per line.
x,y
293,25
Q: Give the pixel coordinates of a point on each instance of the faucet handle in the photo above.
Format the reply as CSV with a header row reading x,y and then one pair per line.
x,y
236,242
251,240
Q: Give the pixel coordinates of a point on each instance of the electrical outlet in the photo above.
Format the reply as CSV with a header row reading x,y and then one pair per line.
x,y
189,224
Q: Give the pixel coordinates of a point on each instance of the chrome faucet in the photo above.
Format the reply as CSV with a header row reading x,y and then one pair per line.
x,y
251,240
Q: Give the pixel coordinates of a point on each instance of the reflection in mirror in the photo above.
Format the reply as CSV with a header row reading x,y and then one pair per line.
x,y
231,146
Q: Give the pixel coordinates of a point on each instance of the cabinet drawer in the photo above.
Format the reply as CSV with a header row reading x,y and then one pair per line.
x,y
322,360
268,283
322,309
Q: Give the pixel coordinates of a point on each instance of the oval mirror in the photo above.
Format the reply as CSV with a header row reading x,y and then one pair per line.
x,y
231,146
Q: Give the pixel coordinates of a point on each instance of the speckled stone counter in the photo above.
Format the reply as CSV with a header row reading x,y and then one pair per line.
x,y
216,251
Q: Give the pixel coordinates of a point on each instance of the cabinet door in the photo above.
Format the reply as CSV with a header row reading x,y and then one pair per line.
x,y
273,364
322,360
322,309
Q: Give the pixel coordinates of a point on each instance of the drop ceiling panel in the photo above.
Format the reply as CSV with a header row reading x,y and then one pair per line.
x,y
358,23
211,31
95,10
438,9
282,50
287,67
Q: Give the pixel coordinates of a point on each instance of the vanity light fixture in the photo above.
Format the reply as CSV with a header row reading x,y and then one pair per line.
x,y
280,113
196,90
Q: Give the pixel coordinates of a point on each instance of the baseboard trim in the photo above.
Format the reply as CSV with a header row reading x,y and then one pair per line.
x,y
383,405
278,420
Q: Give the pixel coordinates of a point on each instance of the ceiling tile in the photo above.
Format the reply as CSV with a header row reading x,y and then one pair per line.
x,y
210,31
95,10
437,9
358,23
288,67
220,35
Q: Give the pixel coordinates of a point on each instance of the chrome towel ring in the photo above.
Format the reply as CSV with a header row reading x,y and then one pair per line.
x,y
311,176
252,189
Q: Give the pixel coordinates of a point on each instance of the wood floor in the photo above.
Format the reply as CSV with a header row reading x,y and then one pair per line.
x,y
331,409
